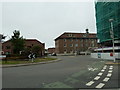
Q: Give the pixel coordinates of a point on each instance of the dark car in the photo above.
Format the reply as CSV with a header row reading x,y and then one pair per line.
x,y
53,54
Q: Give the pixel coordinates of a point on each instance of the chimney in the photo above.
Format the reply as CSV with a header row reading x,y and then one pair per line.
x,y
87,31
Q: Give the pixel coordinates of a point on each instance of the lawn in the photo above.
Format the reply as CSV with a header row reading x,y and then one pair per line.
x,y
27,61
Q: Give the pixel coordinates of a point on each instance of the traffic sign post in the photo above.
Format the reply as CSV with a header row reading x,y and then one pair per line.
x,y
31,56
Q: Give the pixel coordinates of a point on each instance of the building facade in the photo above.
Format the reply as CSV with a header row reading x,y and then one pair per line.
x,y
108,30
106,11
29,43
51,50
1,38
75,42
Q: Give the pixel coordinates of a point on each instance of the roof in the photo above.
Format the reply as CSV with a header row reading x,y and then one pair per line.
x,y
77,35
28,40
33,40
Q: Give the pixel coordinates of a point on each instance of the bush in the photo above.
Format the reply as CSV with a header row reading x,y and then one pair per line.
x,y
14,57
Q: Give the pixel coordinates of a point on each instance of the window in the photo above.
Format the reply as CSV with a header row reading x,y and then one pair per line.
x,y
71,51
64,40
76,45
65,51
7,53
64,45
70,35
7,47
71,45
71,40
81,40
84,35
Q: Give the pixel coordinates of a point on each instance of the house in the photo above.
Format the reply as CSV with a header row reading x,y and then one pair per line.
x,y
2,37
29,43
70,42
51,50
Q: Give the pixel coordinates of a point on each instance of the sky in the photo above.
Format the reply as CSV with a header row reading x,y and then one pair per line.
x,y
45,21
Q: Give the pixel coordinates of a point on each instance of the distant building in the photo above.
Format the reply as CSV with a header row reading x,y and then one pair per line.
x,y
29,43
51,50
104,12
1,37
108,30
75,42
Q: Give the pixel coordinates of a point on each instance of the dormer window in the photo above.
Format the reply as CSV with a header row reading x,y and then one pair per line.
x,y
70,35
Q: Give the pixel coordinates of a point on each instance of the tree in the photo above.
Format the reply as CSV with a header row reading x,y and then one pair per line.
x,y
37,50
17,42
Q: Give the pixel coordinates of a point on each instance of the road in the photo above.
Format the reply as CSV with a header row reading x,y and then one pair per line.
x,y
70,72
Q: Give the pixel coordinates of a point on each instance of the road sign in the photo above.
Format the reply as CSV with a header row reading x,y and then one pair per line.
x,y
31,56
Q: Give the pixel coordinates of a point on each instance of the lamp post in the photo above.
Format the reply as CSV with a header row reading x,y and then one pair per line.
x,y
112,36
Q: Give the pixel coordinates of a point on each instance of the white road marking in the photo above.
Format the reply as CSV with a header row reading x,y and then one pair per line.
x,y
102,70
106,79
90,83
110,71
100,85
96,78
110,68
109,74
100,74
105,67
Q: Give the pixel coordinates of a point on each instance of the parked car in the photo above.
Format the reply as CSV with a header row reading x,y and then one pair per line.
x,y
53,54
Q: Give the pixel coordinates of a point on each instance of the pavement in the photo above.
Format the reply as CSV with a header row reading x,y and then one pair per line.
x,y
71,72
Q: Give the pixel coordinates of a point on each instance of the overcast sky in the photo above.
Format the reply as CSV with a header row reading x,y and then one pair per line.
x,y
45,21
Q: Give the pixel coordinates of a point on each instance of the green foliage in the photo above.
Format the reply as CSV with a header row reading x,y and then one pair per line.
x,y
17,42
36,49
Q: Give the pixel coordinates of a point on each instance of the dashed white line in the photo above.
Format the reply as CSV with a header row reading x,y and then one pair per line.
x,y
102,70
105,67
100,85
96,78
110,68
100,74
110,71
109,74
106,79
90,83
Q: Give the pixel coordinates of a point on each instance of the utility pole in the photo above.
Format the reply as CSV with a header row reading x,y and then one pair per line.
x,y
112,36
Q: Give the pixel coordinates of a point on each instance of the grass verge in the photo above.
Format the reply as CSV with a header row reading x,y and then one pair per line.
x,y
8,62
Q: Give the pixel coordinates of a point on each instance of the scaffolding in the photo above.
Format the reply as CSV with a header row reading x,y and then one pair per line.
x,y
104,12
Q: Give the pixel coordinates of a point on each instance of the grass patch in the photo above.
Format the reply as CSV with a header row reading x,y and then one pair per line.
x,y
0,62
27,61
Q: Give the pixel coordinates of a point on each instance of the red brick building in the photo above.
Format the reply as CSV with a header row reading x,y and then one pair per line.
x,y
7,47
75,42
51,50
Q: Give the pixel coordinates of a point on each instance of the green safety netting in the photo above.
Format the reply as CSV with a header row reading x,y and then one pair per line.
x,y
104,12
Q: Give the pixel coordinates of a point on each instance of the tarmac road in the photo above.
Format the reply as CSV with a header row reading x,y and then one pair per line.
x,y
70,72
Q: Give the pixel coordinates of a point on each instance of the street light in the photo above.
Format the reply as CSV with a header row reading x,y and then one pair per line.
x,y
112,36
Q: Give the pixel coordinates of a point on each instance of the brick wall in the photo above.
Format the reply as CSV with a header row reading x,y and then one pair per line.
x,y
74,43
29,43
